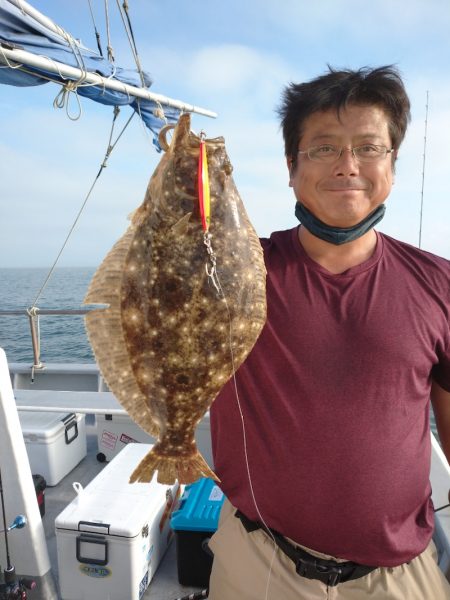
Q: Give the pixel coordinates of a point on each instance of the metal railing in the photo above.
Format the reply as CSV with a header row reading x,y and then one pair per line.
x,y
33,315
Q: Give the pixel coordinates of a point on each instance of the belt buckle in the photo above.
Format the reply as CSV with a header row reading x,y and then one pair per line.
x,y
306,568
334,573
334,577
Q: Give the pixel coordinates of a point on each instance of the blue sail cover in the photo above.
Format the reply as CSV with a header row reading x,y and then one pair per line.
x,y
21,31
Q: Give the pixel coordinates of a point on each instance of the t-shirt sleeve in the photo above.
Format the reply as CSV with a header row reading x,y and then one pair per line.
x,y
441,371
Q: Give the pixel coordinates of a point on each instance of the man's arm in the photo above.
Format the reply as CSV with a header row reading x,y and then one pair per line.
x,y
440,400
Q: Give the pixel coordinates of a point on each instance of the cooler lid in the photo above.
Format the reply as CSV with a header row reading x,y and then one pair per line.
x,y
122,515
200,507
43,425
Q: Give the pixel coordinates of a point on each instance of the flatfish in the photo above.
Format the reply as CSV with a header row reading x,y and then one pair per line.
x,y
185,305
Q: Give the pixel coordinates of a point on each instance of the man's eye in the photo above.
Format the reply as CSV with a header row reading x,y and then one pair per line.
x,y
368,149
325,149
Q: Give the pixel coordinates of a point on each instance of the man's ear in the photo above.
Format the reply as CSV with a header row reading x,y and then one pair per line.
x,y
290,167
394,160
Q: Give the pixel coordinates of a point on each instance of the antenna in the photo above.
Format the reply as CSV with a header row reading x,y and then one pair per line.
x,y
423,172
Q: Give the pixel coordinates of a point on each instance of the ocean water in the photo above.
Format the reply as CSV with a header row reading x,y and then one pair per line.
x,y
63,338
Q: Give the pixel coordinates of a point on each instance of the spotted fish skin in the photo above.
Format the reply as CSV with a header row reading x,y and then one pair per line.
x,y
182,337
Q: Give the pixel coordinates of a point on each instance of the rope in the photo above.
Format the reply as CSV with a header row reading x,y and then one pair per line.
x,y
22,8
75,50
108,34
63,97
158,112
8,63
70,85
102,166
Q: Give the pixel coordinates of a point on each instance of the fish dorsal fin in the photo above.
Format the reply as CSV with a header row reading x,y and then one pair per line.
x,y
182,225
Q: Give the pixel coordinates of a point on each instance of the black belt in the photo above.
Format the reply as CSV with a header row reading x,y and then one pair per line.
x,y
329,572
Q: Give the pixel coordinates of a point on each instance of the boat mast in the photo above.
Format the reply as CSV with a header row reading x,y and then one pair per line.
x,y
423,172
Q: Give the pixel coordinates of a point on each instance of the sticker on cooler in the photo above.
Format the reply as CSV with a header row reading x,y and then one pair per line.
x,y
109,440
126,439
216,494
143,585
171,503
95,571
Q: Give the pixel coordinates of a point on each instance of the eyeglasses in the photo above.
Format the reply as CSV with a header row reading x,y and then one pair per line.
x,y
328,153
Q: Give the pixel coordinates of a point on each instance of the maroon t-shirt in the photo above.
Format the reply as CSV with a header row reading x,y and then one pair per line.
x,y
335,398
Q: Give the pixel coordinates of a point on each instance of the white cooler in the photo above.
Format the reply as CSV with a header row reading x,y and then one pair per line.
x,y
55,442
114,432
111,538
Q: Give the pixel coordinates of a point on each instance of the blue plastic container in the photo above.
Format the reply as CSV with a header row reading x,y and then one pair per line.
x,y
194,523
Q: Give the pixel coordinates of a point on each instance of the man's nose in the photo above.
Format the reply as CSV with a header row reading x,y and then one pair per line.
x,y
347,164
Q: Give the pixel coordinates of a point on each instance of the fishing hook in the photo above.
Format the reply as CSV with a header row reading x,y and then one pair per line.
x,y
211,270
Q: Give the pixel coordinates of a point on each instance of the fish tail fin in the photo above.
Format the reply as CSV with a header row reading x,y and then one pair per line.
x,y
186,469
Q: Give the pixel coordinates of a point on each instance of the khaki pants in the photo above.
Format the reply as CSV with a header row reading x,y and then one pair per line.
x,y
241,572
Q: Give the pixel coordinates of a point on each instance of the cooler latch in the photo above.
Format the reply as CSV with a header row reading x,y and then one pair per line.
x,y
71,428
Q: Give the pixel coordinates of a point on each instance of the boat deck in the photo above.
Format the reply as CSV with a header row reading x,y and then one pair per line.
x,y
86,392
164,585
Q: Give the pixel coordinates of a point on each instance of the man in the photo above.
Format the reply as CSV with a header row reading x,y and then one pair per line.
x,y
323,447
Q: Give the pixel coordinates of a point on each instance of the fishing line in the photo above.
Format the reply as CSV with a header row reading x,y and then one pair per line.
x,y
218,285
423,172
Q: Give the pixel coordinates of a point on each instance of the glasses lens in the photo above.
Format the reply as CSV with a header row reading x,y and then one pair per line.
x,y
369,152
330,153
324,153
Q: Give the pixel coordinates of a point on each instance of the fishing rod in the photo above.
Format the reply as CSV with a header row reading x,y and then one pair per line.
x,y
423,171
12,588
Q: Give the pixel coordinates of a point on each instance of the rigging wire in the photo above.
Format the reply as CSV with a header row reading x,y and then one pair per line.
x,y
423,171
129,31
110,148
97,35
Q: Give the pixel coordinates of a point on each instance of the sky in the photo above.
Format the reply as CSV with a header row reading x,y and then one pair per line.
x,y
234,58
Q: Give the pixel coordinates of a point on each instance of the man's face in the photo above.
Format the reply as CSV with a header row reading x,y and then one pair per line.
x,y
344,192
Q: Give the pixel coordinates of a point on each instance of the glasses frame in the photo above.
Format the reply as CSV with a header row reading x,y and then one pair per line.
x,y
351,149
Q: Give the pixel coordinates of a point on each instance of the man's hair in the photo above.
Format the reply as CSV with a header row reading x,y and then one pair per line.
x,y
382,87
